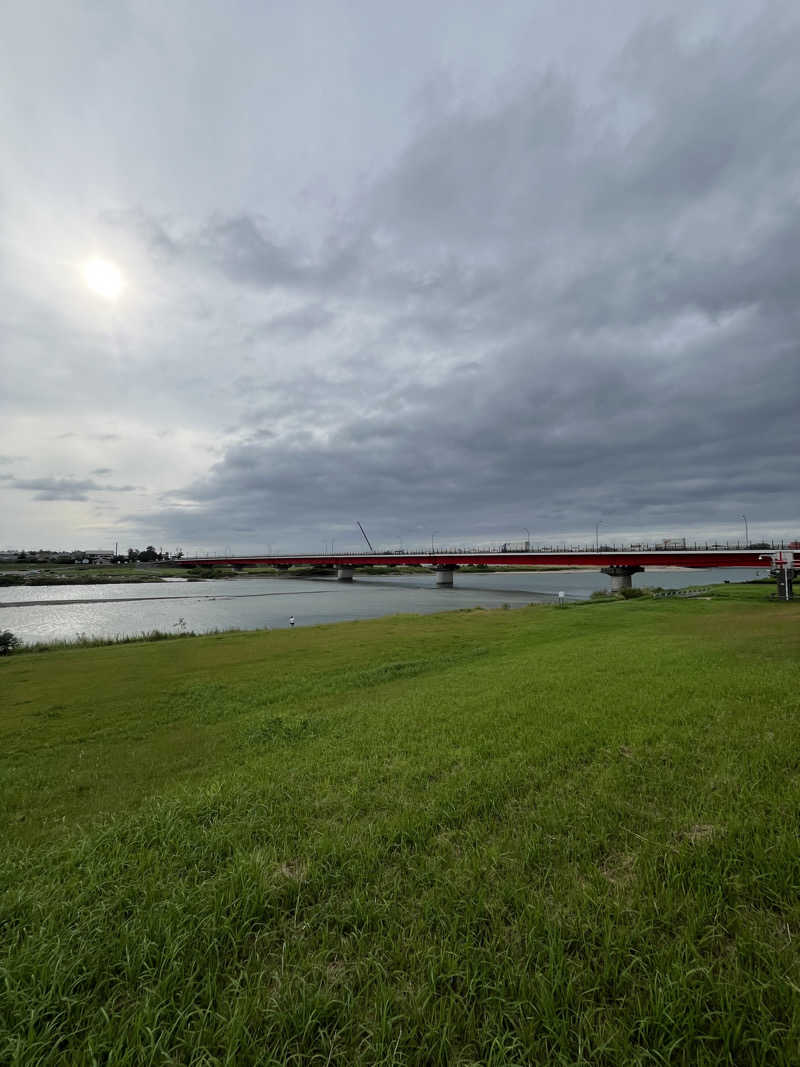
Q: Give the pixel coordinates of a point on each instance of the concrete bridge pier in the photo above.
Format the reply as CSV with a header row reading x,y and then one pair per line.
x,y
344,574
444,574
621,576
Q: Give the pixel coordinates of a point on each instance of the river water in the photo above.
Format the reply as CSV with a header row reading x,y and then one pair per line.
x,y
47,613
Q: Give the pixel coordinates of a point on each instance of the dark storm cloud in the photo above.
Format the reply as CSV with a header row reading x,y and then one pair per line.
x,y
572,313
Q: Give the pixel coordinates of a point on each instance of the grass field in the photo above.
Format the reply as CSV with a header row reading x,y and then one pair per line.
x,y
512,837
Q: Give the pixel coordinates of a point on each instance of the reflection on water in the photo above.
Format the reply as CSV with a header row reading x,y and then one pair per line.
x,y
257,603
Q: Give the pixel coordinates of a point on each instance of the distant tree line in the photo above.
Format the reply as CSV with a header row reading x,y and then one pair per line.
x,y
134,555
146,555
149,554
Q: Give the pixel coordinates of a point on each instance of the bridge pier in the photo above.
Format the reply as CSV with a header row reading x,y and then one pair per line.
x,y
344,574
444,574
621,576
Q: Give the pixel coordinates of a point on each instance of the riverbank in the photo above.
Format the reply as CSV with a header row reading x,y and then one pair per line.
x,y
126,575
211,606
77,574
479,837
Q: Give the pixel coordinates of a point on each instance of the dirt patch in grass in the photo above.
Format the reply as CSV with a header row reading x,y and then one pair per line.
x,y
619,868
699,833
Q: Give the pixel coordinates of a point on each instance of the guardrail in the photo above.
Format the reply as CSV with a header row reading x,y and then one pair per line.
x,y
520,549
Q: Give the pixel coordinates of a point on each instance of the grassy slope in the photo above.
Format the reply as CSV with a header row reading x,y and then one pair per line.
x,y
506,837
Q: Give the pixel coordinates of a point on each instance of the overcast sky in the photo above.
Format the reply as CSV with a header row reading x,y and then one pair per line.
x,y
459,267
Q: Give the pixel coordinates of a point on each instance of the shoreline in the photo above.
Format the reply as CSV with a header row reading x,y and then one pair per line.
x,y
59,581
144,599
408,572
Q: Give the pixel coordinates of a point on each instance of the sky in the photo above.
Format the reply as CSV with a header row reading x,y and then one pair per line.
x,y
460,270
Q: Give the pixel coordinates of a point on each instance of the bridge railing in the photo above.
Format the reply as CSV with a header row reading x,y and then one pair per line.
x,y
520,548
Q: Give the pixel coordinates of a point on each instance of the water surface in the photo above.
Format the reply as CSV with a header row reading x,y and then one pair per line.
x,y
46,613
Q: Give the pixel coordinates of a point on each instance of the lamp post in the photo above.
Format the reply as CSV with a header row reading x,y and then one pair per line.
x,y
597,526
433,550
746,532
528,542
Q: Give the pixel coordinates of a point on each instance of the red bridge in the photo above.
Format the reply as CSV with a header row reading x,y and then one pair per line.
x,y
619,564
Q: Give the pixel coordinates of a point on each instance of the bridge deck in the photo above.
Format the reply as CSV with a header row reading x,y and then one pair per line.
x,y
700,558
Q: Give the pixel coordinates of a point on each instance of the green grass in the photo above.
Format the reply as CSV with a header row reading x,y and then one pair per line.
x,y
87,641
540,836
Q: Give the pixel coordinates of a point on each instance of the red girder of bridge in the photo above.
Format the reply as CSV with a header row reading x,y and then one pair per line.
x,y
631,558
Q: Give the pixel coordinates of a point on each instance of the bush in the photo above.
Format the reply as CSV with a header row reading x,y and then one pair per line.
x,y
631,593
8,642
201,573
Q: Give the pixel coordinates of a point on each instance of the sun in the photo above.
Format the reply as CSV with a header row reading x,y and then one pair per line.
x,y
103,278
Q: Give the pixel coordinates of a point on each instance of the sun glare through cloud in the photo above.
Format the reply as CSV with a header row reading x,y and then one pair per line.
x,y
103,278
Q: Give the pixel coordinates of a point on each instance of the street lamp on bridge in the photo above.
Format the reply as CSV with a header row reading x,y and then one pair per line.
x,y
597,526
528,542
746,532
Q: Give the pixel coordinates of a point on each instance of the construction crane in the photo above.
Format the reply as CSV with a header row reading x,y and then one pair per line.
x,y
361,528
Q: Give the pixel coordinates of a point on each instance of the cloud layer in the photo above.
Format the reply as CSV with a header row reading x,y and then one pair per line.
x,y
557,301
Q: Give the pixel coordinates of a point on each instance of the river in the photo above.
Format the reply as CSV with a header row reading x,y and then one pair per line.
x,y
48,613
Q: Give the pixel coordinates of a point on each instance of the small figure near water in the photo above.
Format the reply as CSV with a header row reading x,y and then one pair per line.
x,y
291,620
